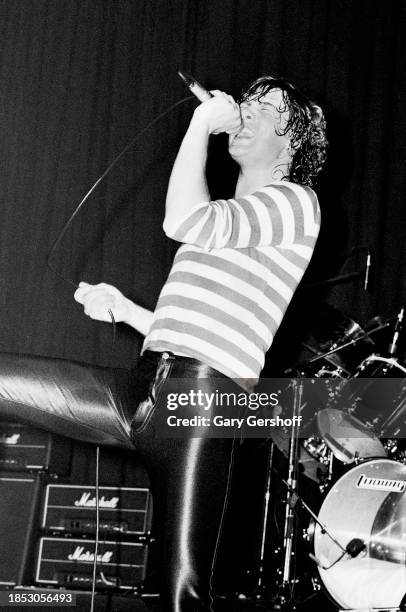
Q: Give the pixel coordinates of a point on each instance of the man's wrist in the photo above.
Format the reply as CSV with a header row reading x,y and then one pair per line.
x,y
127,311
199,124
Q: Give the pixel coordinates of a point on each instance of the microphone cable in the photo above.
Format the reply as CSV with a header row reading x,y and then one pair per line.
x,y
74,284
68,223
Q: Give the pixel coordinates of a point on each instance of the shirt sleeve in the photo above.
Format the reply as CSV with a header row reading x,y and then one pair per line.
x,y
277,215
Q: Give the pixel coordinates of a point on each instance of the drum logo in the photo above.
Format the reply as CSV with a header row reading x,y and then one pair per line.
x,y
381,484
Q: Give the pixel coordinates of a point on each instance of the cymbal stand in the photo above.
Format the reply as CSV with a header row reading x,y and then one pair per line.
x,y
260,587
288,534
352,342
283,598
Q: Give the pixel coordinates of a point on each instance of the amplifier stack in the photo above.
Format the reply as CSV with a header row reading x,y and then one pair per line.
x,y
27,457
24,449
48,528
66,554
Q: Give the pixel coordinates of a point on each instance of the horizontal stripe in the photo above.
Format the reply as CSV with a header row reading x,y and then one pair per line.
x,y
286,260
202,320
298,255
255,263
258,259
233,293
227,318
241,266
223,279
301,253
232,280
202,343
276,215
191,223
183,291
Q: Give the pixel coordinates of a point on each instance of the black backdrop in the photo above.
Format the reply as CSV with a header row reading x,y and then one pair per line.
x,y
80,77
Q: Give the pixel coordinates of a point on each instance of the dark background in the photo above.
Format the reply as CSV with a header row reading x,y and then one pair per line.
x,y
80,78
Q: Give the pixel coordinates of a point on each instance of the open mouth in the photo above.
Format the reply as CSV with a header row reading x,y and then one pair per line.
x,y
243,135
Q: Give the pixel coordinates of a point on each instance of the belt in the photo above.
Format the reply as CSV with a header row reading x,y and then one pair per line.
x,y
181,366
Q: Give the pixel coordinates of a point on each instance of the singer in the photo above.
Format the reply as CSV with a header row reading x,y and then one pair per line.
x,y
232,279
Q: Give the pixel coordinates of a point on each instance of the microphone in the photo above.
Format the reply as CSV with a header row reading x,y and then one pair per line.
x,y
198,90
355,547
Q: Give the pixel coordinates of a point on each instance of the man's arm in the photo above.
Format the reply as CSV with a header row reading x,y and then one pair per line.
x,y
278,215
99,299
187,184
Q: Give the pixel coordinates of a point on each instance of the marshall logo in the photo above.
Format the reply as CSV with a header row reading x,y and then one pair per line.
x,y
86,501
381,484
13,439
80,554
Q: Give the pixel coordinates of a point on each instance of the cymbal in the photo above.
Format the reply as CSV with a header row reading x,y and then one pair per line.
x,y
327,330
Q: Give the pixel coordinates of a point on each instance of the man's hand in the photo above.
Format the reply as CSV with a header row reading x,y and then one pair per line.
x,y
99,299
220,114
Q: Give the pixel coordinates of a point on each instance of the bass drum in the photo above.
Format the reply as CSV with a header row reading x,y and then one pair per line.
x,y
368,503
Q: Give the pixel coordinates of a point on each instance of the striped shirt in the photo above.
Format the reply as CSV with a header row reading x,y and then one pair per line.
x,y
234,276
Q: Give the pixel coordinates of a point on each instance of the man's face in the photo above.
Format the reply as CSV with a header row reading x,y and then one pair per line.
x,y
259,142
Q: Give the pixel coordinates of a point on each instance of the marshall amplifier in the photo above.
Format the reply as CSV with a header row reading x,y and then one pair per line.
x,y
72,510
23,448
69,562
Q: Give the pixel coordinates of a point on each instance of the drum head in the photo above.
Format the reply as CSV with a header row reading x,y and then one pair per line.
x,y
367,503
347,437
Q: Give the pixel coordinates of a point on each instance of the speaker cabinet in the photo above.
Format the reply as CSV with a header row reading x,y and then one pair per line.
x,y
19,501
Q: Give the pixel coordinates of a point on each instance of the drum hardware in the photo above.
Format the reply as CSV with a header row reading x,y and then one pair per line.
x,y
336,346
389,361
284,600
354,432
339,347
393,347
288,533
393,451
336,279
317,448
370,408
366,507
369,571
362,272
260,588
349,435
338,372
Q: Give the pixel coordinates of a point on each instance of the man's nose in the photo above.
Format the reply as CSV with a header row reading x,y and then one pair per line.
x,y
247,112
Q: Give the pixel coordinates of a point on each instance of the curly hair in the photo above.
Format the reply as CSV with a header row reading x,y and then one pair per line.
x,y
306,127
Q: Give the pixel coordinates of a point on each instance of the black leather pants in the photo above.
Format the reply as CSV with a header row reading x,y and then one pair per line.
x,y
189,477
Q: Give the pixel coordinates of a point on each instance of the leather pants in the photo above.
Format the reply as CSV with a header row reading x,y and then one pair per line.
x,y
189,477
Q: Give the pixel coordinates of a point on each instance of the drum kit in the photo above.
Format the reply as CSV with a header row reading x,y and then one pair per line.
x,y
351,445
